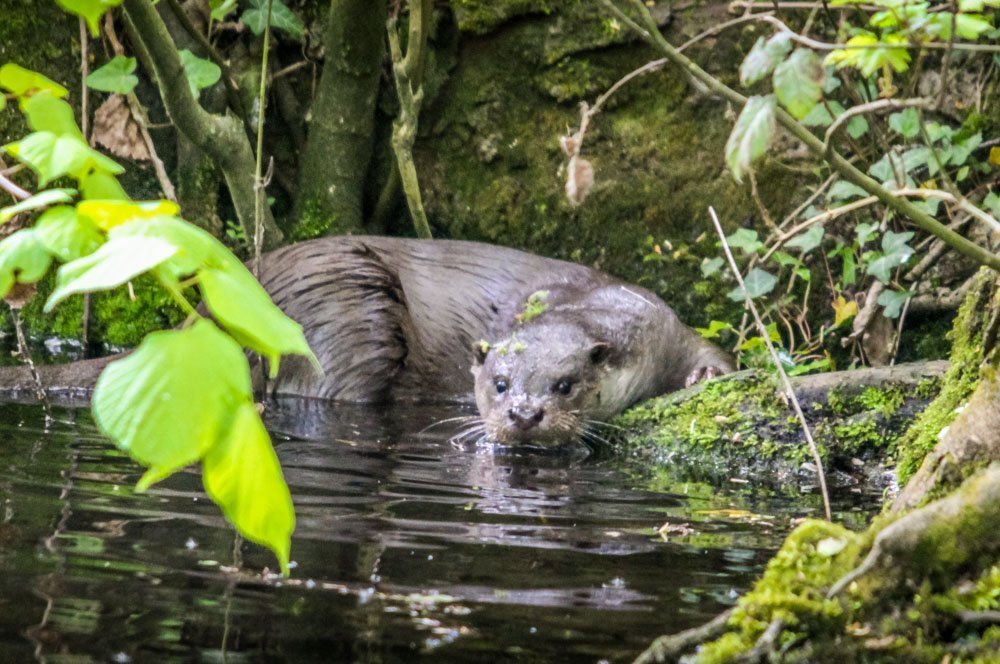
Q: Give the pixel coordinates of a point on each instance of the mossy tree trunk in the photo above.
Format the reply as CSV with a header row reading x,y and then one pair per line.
x,y
342,130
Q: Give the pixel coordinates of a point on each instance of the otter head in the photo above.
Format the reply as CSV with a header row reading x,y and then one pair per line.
x,y
541,385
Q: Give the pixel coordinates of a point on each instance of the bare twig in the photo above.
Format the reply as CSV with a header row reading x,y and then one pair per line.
x,y
789,392
871,107
8,185
259,186
84,72
822,217
667,648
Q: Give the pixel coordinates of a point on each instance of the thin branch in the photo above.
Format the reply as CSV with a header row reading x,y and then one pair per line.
x,y
8,185
750,4
84,73
259,186
849,172
871,107
711,32
822,217
667,648
789,391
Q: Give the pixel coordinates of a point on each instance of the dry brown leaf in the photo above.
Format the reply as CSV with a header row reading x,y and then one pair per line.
x,y
117,130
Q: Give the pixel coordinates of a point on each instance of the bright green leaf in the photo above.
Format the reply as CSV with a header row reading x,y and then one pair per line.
x,y
196,249
221,8
90,10
200,73
173,398
101,185
115,262
115,76
808,240
798,82
23,82
36,202
51,156
750,137
785,259
242,475
66,234
23,260
764,57
244,308
108,214
970,26
713,329
46,112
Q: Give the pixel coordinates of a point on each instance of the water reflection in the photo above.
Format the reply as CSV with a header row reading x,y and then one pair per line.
x,y
405,546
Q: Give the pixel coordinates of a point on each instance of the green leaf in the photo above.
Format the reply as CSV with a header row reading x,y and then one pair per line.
x,y
896,243
821,116
842,190
243,476
173,398
115,262
109,214
23,82
51,156
992,203
23,260
221,8
710,266
101,185
893,302
906,123
808,240
850,271
90,10
961,149
200,73
115,76
764,57
66,234
244,308
713,329
758,283
46,112
745,240
750,137
282,18
38,201
798,82
895,252
785,259
3,102
970,26
196,249
857,126
865,232
869,54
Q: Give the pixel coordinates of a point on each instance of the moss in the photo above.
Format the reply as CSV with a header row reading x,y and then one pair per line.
x,y
793,590
958,383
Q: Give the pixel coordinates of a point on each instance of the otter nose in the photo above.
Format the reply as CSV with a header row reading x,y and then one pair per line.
x,y
524,417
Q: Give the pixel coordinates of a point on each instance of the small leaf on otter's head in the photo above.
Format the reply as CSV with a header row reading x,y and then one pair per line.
x,y
480,350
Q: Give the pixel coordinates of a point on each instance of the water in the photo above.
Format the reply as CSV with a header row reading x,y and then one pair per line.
x,y
406,547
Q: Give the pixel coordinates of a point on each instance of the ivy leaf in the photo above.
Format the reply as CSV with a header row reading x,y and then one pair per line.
x,y
282,18
798,82
713,329
764,57
745,240
857,126
892,302
896,243
759,282
842,190
895,252
906,123
38,201
751,135
115,262
66,234
24,83
242,475
865,232
200,73
785,259
244,308
821,116
843,310
23,260
808,240
115,76
961,149
90,10
710,266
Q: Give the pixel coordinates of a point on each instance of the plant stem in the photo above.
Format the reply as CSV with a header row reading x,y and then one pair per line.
x,y
259,186
789,391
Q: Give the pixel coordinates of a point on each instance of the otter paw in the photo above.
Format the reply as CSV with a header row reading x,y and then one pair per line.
x,y
702,373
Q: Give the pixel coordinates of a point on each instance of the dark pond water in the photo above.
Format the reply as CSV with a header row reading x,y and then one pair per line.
x,y
406,548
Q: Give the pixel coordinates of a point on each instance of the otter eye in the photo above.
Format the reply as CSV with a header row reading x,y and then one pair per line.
x,y
501,385
564,386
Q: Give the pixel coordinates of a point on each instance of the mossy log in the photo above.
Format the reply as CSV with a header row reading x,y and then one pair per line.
x,y
922,584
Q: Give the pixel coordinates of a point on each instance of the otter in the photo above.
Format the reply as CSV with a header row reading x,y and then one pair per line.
x,y
543,346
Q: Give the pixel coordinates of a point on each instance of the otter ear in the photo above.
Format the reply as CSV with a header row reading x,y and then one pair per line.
x,y
599,352
480,349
